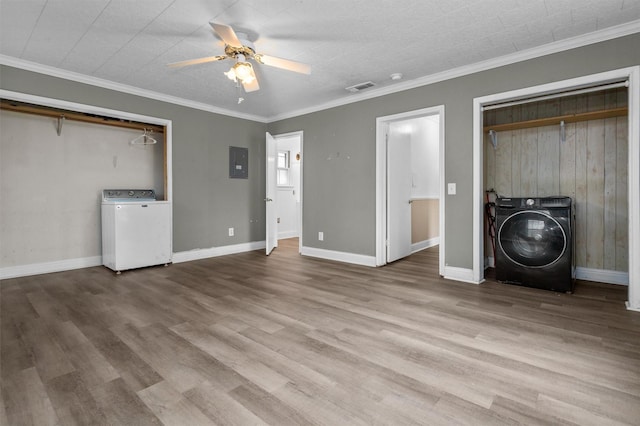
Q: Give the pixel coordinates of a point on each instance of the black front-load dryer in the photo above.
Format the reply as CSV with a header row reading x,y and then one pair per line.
x,y
534,242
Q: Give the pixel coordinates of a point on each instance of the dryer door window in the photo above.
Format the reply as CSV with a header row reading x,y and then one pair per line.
x,y
532,239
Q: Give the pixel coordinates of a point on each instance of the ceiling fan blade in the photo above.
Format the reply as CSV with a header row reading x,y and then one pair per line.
x,y
251,87
227,34
196,61
285,64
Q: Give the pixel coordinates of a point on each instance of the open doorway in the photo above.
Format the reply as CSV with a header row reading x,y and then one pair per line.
x,y
409,190
288,189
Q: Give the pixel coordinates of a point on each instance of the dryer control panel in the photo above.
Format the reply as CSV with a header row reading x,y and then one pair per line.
x,y
534,202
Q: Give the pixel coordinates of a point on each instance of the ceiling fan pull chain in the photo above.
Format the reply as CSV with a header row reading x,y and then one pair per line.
x,y
240,98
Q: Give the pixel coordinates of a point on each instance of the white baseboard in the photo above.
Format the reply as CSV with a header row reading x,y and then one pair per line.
x,y
49,267
602,276
631,308
339,256
87,262
459,274
423,245
197,254
287,234
452,273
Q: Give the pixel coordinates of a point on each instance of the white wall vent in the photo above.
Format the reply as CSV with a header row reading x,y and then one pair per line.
x,y
360,86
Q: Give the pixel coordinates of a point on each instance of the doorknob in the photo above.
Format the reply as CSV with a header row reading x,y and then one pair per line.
x,y
410,201
268,199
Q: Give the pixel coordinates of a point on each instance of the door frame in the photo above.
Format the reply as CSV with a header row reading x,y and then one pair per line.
x,y
300,134
382,125
632,75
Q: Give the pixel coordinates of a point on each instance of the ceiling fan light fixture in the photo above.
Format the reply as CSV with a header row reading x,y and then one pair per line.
x,y
244,72
248,79
231,74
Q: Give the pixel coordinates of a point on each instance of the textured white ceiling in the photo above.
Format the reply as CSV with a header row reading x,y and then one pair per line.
x,y
346,42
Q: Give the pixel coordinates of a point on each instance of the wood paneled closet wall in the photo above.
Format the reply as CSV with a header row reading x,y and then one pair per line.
x,y
590,166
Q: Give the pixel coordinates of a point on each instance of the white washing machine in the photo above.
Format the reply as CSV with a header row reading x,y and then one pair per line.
x,y
136,229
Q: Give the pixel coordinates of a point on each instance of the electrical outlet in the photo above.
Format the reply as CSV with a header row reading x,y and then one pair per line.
x,y
320,236
231,232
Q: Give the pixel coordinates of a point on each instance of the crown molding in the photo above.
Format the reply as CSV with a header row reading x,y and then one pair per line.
x,y
131,90
536,52
523,55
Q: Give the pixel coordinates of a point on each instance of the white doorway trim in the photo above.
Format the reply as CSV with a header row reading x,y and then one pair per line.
x,y
632,74
382,125
300,135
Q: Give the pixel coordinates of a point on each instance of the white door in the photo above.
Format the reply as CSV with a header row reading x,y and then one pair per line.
x,y
271,194
398,194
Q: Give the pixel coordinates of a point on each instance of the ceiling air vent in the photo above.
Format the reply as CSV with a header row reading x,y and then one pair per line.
x,y
360,86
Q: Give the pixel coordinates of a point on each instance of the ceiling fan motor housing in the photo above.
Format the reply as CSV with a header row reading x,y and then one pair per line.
x,y
245,50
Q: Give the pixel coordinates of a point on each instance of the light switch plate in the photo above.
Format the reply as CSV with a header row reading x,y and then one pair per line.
x,y
451,189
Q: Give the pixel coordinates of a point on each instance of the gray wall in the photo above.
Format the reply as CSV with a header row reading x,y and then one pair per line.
x,y
339,196
339,152
205,201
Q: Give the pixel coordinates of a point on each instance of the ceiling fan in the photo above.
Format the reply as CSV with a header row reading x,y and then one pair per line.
x,y
240,49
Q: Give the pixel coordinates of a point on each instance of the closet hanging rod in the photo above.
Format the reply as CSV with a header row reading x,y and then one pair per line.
x,y
568,118
26,108
557,95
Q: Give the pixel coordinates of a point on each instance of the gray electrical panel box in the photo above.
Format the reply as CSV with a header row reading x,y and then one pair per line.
x,y
238,162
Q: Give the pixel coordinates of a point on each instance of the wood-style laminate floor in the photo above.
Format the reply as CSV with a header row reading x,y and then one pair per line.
x,y
289,340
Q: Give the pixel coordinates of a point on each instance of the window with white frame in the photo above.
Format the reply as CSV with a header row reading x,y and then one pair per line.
x,y
284,168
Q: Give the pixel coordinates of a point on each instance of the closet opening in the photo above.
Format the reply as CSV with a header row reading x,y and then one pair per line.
x,y
573,146
578,138
59,157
